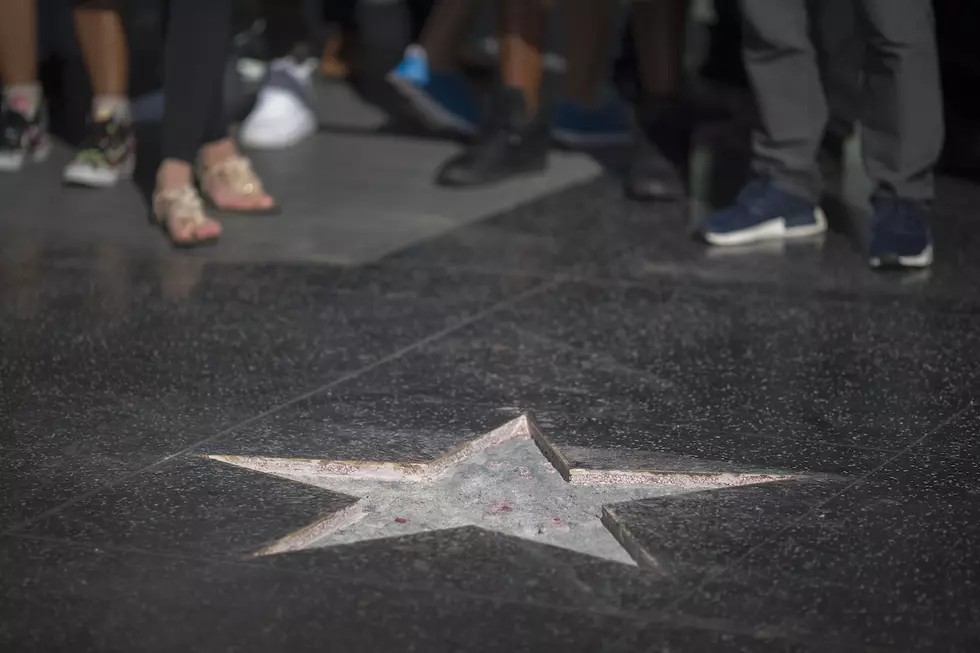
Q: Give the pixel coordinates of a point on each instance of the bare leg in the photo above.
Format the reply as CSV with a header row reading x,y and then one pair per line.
x,y
18,55
590,26
522,28
18,42
660,166
103,43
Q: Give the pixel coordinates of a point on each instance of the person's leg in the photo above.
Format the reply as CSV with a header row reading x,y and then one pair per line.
x,y
902,126
591,112
659,167
428,75
522,31
782,66
284,112
108,152
419,15
195,50
23,126
342,36
516,137
840,53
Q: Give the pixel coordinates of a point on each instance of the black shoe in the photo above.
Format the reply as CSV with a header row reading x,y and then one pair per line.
x,y
22,138
659,170
107,154
512,144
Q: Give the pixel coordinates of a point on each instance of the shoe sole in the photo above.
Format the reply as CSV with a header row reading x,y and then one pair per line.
x,y
770,230
12,162
295,139
82,175
922,260
433,113
570,138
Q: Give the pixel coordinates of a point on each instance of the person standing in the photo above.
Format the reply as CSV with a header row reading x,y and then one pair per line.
x,y
902,128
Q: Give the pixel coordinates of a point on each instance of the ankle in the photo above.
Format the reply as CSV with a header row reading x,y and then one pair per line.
x,y
173,174
24,97
109,105
218,151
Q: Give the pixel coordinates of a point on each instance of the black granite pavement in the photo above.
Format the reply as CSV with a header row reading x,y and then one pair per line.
x,y
629,343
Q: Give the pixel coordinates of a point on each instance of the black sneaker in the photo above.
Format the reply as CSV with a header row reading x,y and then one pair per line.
x,y
900,236
512,144
22,139
660,167
107,154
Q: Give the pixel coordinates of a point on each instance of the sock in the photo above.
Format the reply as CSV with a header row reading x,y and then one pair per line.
x,y
106,106
24,98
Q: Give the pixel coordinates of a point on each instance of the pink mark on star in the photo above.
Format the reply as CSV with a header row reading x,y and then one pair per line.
x,y
401,520
498,507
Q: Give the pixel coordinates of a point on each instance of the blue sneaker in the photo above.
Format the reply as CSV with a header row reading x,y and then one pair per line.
x,y
444,101
763,212
900,235
579,126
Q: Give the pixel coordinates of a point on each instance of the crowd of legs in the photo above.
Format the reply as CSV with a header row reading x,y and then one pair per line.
x,y
816,67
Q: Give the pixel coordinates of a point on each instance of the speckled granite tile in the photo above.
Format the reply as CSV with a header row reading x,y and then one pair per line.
x,y
56,598
624,441
474,561
673,634
110,367
879,567
192,506
874,375
959,438
695,535
581,230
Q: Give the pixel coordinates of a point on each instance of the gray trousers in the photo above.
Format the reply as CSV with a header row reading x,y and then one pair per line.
x,y
900,101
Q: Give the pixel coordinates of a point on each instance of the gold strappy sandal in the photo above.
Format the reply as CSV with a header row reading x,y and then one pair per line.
x,y
234,178
180,212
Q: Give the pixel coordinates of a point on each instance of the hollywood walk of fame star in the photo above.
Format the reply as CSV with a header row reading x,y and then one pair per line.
x,y
511,480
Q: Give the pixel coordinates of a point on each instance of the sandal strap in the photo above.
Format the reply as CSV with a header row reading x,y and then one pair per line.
x,y
234,173
182,205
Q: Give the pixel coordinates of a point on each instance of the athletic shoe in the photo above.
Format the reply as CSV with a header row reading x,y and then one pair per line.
x,y
23,138
444,101
283,114
576,125
107,154
900,236
763,212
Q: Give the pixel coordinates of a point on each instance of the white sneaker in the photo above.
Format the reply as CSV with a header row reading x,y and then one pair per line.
x,y
283,114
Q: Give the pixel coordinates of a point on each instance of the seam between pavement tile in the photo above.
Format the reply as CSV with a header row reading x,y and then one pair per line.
x,y
476,317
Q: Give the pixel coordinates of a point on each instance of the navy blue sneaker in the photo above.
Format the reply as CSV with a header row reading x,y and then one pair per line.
x,y
576,125
900,236
763,212
443,101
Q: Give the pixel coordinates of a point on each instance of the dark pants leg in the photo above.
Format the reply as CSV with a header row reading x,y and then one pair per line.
x,y
198,36
902,117
840,53
782,66
288,31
